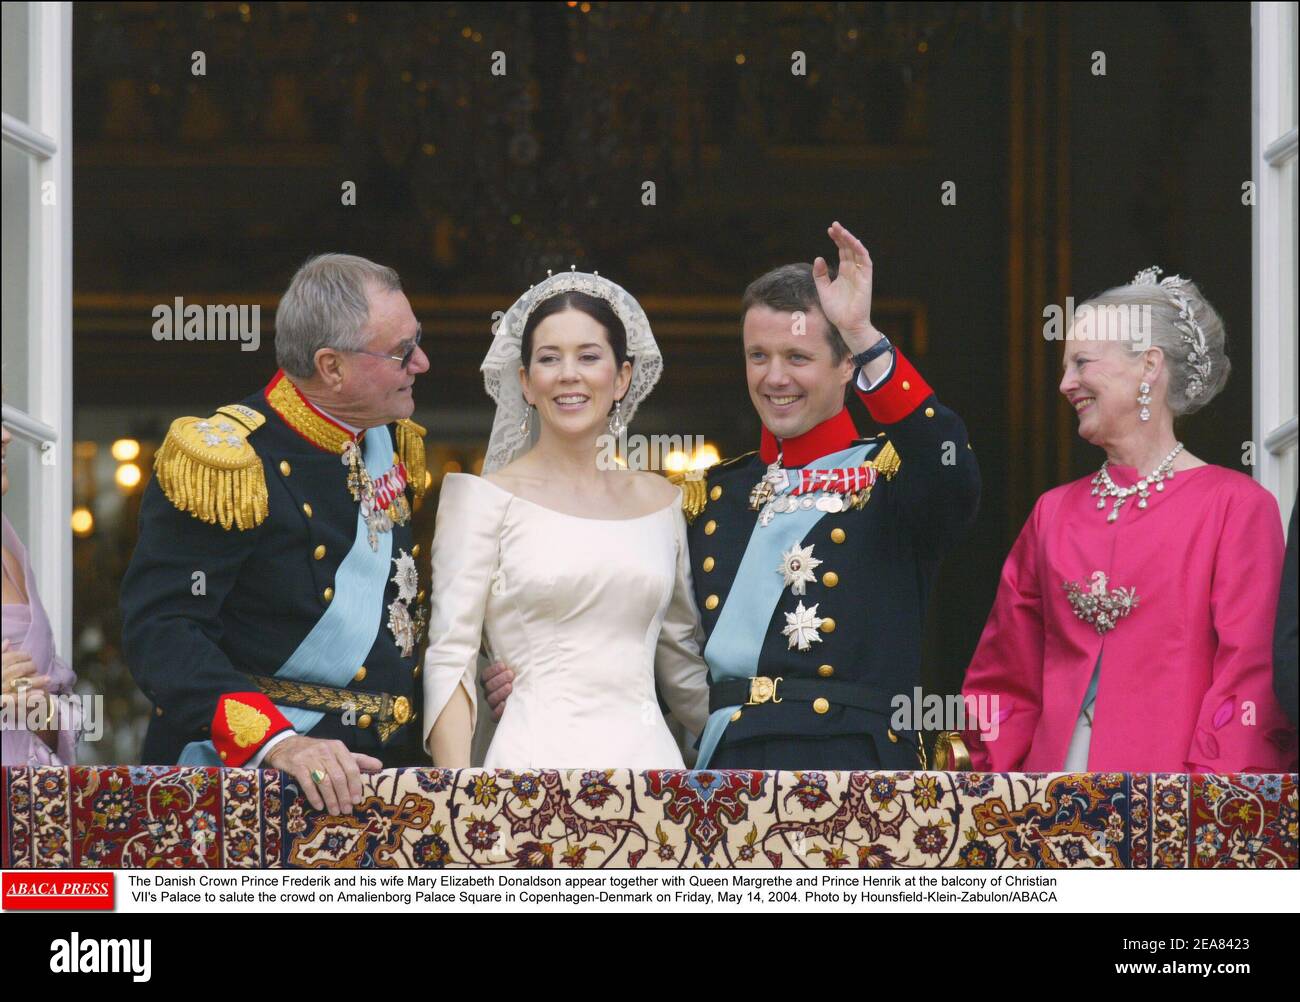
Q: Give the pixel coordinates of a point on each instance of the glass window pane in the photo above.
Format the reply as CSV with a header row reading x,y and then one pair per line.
x,y
14,77
16,176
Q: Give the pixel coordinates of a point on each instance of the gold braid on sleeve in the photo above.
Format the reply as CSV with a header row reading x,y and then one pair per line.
x,y
207,467
410,447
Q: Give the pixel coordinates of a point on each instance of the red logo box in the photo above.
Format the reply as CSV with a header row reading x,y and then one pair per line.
x,y
57,890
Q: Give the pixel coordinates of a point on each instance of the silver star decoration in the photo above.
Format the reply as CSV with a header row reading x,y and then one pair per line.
x,y
797,565
407,578
801,627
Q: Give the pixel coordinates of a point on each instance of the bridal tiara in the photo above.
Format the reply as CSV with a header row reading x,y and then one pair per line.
x,y
1198,354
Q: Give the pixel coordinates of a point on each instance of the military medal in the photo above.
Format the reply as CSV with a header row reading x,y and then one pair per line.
x,y
406,630
830,491
801,627
383,501
797,566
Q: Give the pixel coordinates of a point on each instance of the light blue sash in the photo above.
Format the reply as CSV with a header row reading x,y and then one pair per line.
x,y
737,639
344,635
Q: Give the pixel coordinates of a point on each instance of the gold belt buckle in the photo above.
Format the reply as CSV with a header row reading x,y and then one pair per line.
x,y
762,689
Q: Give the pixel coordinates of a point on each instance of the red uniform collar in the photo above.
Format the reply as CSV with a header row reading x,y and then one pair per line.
x,y
832,435
304,417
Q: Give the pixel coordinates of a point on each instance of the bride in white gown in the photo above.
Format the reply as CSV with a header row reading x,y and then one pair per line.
x,y
576,576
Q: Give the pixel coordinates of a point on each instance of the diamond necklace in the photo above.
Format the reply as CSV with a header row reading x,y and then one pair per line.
x,y
1103,487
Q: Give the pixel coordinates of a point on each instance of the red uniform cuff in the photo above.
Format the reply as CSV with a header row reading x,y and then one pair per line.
x,y
244,721
902,393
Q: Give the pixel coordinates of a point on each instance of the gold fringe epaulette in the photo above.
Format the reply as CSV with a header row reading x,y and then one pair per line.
x,y
410,447
886,461
207,467
694,491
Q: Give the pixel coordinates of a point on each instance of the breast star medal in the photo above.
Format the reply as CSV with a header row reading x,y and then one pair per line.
x,y
406,630
1100,605
801,627
797,566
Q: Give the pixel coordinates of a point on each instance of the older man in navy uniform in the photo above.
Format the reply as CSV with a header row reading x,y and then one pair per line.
x,y
812,558
272,610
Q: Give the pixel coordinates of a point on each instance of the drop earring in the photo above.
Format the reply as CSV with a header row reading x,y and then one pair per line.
x,y
526,424
1144,398
616,425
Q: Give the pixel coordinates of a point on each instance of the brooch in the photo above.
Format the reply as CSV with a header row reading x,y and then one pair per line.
x,y
1099,604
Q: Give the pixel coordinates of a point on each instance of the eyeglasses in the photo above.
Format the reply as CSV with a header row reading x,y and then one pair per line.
x,y
403,359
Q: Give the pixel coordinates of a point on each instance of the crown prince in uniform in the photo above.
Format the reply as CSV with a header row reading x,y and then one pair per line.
x,y
813,558
272,610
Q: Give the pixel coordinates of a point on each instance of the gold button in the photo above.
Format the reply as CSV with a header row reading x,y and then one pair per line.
x,y
415,672
328,594
223,756
402,710
708,564
837,535
319,552
929,412
420,596
363,721
710,527
715,493
735,716
415,550
306,509
826,671
821,704
157,711
360,675
892,736
828,625
830,579
906,385
711,602
285,468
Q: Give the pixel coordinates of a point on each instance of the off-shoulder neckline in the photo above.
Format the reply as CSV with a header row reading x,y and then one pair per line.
x,y
564,514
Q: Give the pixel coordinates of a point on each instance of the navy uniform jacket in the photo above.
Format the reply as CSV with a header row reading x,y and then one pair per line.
x,y
268,576
877,566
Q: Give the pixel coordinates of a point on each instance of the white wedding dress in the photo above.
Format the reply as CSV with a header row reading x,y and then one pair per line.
x,y
588,613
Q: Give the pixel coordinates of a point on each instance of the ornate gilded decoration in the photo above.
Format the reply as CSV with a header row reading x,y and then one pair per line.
x,y
391,712
305,419
208,468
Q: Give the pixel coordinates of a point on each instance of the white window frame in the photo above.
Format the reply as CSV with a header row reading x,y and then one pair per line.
x,y
46,137
1273,134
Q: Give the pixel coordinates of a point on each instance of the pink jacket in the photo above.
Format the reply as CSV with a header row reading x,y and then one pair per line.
x,y
1186,680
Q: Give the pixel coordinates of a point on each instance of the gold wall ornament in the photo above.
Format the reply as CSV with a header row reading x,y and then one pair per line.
x,y
206,466
1098,604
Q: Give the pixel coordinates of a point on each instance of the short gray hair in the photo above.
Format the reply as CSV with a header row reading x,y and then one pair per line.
x,y
325,306
1166,336
789,289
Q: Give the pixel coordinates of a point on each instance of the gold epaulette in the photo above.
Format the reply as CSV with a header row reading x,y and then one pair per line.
x,y
207,467
410,447
694,491
886,461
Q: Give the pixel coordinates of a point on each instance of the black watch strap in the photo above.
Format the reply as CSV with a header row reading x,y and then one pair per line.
x,y
873,353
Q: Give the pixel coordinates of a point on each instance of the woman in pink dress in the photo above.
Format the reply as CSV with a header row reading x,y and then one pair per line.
x,y
34,676
1132,626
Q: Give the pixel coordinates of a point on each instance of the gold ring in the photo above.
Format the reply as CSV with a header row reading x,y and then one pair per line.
x,y
317,776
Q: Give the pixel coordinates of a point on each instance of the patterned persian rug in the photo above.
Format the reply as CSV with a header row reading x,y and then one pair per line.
x,y
163,816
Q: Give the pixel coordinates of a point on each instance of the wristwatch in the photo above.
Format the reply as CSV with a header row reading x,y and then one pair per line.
x,y
873,353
